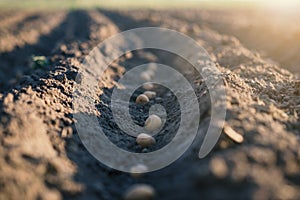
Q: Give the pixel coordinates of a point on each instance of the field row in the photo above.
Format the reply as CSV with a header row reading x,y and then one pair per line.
x,y
41,144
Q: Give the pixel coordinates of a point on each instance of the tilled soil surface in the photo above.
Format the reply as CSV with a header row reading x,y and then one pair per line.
x,y
42,156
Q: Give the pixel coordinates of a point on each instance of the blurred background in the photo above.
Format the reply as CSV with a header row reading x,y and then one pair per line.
x,y
270,27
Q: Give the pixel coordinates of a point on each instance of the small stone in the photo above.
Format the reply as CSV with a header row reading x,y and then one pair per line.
x,y
153,123
137,171
148,86
145,140
142,99
140,192
236,137
150,94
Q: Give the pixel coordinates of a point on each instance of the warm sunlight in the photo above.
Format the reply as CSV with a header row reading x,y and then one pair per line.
x,y
149,99
282,5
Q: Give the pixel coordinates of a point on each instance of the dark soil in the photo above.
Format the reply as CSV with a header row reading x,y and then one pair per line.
x,y
42,157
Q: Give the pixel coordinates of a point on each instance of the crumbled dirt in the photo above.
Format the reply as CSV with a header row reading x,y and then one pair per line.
x,y
42,156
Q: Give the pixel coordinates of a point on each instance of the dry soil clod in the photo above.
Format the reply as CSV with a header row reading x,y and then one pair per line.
x,y
145,140
140,192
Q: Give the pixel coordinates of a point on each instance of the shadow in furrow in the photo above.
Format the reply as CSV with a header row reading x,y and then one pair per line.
x,y
16,63
106,183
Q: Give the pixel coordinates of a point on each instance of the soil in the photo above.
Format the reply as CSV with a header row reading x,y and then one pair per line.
x,y
269,32
42,156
